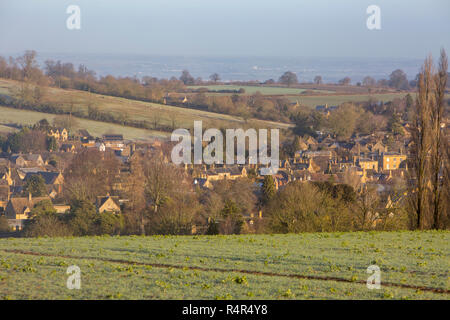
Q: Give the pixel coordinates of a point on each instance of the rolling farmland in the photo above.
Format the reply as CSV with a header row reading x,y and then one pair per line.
x,y
265,90
414,265
138,110
320,97
312,101
96,128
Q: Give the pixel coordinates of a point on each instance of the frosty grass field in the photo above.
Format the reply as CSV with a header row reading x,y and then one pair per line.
x,y
414,265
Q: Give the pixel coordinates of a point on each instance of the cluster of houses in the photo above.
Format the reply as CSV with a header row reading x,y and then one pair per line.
x,y
320,160
17,169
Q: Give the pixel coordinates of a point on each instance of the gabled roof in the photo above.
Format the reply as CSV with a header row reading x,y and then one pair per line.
x,y
49,176
101,201
19,205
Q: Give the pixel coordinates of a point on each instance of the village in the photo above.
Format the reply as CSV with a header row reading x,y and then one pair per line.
x,y
361,161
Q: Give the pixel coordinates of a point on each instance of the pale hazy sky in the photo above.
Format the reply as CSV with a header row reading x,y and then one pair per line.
x,y
304,28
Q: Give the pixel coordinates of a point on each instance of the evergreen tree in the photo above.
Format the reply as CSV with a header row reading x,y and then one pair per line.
x,y
268,189
36,186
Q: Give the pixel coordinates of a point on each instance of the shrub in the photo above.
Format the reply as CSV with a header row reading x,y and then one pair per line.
x,y
4,226
108,223
49,224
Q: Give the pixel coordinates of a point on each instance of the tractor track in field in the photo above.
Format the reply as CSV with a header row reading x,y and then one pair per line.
x,y
258,273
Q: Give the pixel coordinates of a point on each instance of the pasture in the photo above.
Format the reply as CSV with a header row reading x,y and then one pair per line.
x,y
334,100
138,110
265,90
96,128
414,265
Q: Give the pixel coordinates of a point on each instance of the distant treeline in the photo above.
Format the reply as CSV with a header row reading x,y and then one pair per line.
x,y
148,89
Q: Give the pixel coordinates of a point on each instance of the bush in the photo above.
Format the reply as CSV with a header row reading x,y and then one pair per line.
x,y
49,225
176,216
4,226
108,223
303,207
82,218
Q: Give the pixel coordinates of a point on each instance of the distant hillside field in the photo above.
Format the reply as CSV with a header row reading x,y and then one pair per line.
x,y
331,100
320,97
137,110
96,128
263,89
413,265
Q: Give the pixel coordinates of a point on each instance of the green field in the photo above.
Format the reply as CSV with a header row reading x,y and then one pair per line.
x,y
334,100
414,265
263,90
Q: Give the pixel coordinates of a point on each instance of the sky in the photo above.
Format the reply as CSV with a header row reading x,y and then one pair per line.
x,y
292,28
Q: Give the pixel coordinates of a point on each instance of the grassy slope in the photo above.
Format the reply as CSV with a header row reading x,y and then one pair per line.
x,y
183,117
96,128
408,258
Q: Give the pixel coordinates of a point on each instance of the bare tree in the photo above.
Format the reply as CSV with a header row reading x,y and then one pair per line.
x,y
30,69
345,81
318,80
65,121
214,77
430,154
91,173
421,135
156,119
288,78
439,161
367,204
187,78
369,81
161,180
136,209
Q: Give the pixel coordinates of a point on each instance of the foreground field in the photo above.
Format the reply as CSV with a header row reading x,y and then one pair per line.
x,y
414,265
